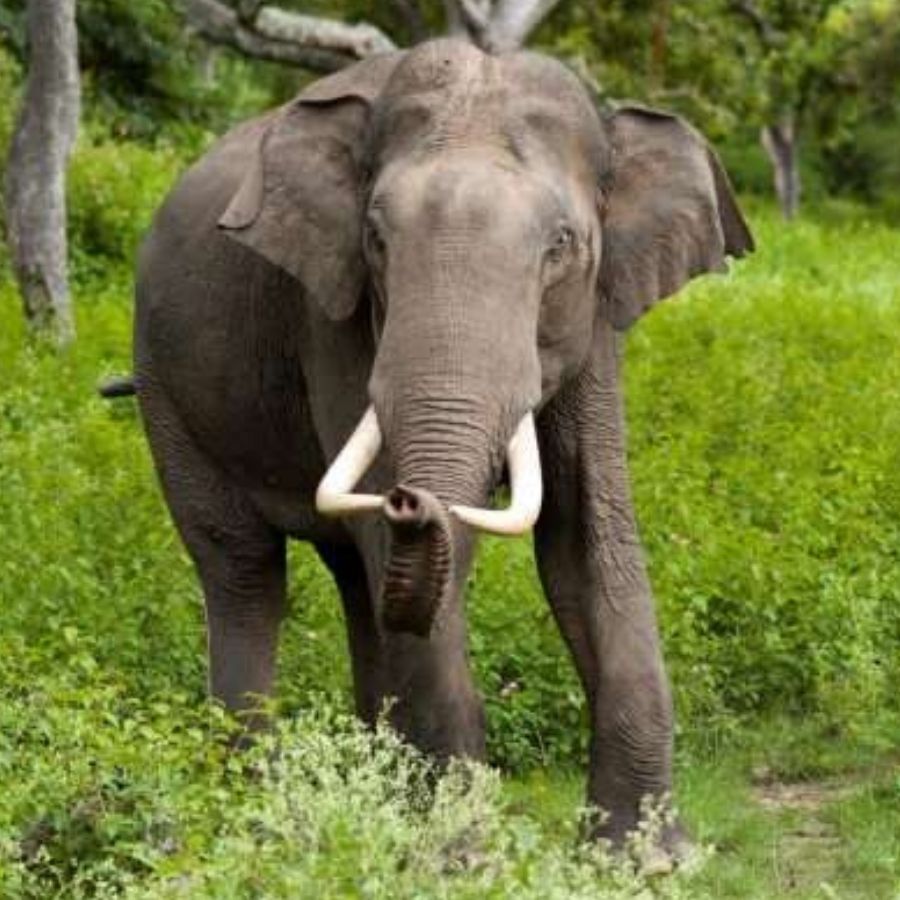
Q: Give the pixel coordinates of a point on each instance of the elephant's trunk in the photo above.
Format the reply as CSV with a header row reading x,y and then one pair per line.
x,y
445,461
448,445
420,562
444,452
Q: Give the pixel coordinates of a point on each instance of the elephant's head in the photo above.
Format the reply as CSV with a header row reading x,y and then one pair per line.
x,y
490,215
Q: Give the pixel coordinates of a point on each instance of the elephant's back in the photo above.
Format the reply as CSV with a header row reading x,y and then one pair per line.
x,y
185,225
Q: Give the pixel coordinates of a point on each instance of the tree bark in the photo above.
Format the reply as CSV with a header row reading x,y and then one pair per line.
x,y
45,133
267,32
497,25
780,143
325,45
454,18
514,20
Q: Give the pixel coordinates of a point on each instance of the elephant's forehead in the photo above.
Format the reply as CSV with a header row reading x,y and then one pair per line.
x,y
455,189
448,93
446,89
450,66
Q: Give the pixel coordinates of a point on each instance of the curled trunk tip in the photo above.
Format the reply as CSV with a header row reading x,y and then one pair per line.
x,y
420,561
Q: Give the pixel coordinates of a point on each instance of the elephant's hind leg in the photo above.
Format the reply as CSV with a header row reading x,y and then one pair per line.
x,y
239,557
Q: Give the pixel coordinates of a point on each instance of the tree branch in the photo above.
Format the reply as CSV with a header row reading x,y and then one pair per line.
x,y
325,45
497,25
360,40
247,10
267,32
453,16
514,20
471,18
476,14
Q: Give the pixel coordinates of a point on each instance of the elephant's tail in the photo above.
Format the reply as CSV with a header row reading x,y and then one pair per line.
x,y
117,386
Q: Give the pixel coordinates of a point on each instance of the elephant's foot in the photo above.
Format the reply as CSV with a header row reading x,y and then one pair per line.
x,y
655,843
661,854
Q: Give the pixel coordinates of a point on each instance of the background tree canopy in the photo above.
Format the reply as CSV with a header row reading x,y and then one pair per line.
x,y
733,68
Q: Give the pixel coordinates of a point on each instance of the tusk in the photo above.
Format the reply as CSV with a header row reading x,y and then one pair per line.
x,y
526,488
333,496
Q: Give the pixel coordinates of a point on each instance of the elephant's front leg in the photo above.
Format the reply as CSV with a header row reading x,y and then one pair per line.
x,y
593,572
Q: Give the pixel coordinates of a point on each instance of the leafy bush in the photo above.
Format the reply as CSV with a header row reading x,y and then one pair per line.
x,y
10,80
114,189
146,75
764,432
865,163
152,804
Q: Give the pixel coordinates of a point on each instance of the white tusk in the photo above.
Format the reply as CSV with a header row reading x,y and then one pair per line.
x,y
333,496
526,488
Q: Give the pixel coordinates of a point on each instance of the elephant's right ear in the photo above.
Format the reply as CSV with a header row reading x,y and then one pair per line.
x,y
300,203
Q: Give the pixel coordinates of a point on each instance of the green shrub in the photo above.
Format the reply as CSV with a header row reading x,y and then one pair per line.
x,y
10,81
535,705
113,190
745,160
145,75
764,438
150,803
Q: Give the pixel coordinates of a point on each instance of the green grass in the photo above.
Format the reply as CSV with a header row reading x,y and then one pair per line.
x,y
765,444
765,433
847,845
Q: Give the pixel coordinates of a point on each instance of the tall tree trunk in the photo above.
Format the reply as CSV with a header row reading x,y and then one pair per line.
x,y
45,131
780,142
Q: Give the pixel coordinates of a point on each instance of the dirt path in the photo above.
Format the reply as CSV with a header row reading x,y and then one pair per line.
x,y
808,850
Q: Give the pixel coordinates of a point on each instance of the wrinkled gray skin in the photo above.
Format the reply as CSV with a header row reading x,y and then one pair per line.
x,y
455,238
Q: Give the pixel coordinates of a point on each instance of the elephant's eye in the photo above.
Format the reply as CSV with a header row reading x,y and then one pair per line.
x,y
561,245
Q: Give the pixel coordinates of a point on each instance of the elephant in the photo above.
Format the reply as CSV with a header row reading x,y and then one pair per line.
x,y
361,314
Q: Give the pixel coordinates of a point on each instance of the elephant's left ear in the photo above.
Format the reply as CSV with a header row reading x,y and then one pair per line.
x,y
671,213
300,203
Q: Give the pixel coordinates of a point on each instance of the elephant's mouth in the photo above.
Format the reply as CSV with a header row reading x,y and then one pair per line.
x,y
421,563
335,497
